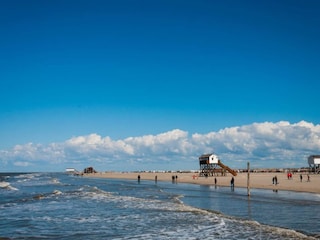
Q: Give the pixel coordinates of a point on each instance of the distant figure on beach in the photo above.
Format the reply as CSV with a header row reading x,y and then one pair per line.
x,y
308,176
139,178
275,180
173,178
156,178
215,181
176,178
301,177
232,183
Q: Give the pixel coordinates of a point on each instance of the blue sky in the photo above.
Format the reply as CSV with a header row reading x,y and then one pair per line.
x,y
133,69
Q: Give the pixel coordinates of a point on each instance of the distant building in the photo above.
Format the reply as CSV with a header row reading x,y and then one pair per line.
x,y
314,162
89,170
72,171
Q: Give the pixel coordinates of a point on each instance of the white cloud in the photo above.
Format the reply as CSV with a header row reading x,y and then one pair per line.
x,y
22,164
265,144
172,142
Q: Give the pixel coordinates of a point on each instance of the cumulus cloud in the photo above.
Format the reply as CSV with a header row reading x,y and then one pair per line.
x,y
267,144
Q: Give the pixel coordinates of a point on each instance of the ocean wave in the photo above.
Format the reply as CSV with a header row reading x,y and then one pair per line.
x,y
212,221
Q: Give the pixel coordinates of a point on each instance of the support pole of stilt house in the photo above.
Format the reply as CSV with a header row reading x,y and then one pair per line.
x,y
248,179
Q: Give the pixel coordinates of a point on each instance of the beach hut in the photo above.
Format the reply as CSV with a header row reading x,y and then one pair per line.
x,y
314,163
208,159
70,170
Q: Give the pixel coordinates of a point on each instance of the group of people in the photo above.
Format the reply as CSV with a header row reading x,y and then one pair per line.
x,y
174,179
308,178
289,175
231,182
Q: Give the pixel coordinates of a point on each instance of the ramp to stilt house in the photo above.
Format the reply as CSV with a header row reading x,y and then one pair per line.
x,y
233,172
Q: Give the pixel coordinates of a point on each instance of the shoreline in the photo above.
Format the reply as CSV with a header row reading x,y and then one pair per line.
x,y
257,180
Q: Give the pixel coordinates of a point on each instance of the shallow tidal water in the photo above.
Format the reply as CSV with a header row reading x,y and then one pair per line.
x,y
61,206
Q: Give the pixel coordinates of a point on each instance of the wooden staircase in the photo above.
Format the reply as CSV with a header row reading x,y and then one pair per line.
x,y
234,173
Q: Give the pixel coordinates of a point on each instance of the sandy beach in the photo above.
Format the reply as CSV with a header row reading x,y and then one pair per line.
x,y
257,180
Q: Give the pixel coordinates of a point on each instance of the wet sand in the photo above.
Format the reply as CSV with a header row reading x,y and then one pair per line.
x,y
257,180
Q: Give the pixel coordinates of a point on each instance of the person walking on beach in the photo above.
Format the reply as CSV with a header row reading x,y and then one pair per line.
x,y
215,181
232,183
301,177
308,176
273,180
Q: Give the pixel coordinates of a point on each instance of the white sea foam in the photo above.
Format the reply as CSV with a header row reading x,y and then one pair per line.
x,y
28,175
13,188
6,185
57,192
55,181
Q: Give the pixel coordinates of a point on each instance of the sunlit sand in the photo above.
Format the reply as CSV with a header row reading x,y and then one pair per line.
x,y
257,180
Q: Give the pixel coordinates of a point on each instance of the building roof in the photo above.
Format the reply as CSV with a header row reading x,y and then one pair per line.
x,y
206,155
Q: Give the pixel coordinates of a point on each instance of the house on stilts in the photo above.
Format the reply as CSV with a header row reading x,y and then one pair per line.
x,y
314,163
210,165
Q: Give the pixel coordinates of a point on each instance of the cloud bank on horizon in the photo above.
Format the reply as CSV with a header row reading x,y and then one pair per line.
x,y
267,144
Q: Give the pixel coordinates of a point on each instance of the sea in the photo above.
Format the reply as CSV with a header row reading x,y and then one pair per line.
x,y
64,206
